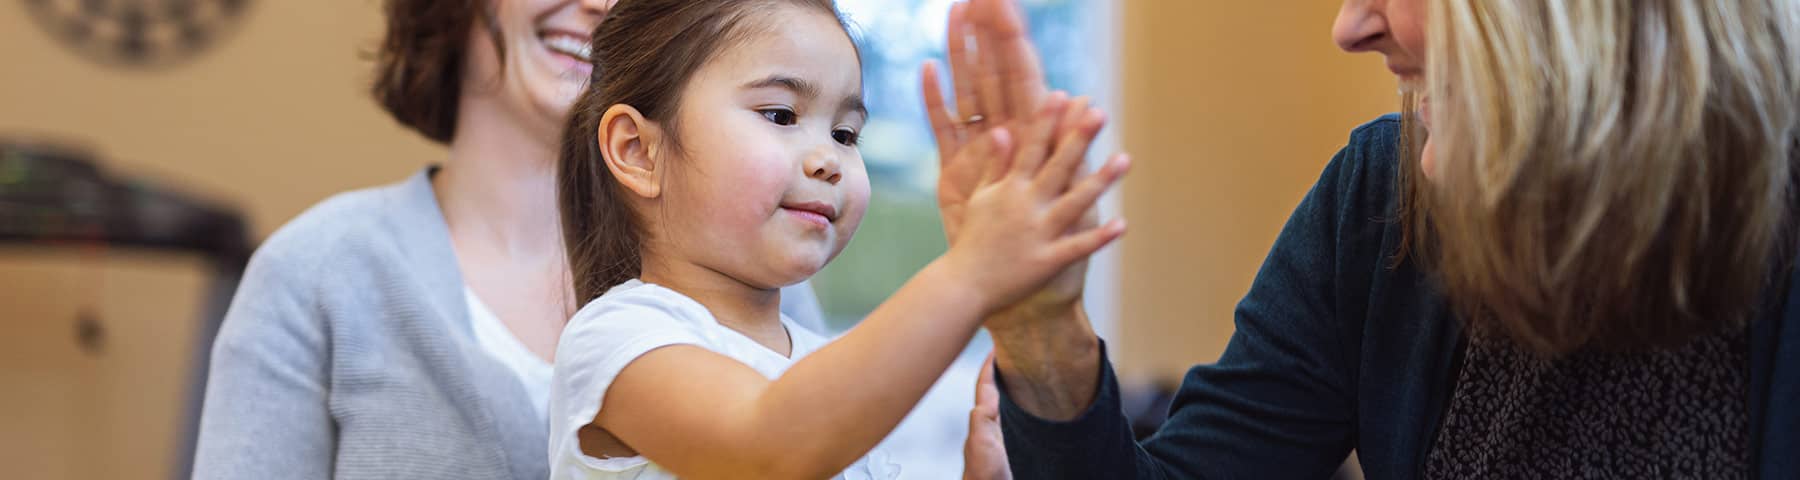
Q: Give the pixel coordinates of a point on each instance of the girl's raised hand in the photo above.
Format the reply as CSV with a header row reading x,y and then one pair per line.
x,y
1020,226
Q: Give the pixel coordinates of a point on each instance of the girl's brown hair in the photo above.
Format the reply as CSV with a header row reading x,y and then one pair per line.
x,y
420,65
1616,174
644,54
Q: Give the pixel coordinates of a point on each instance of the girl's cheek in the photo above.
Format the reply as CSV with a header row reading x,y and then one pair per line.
x,y
750,189
856,198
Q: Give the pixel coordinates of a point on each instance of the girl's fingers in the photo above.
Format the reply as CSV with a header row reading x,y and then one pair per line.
x,y
984,451
963,66
1034,141
994,151
1077,108
943,122
986,391
1070,114
1084,243
1081,197
1066,160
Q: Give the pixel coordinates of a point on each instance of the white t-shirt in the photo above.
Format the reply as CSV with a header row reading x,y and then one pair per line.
x,y
500,343
628,321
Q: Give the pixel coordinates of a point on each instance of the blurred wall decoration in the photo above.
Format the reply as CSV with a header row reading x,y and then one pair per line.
x,y
138,33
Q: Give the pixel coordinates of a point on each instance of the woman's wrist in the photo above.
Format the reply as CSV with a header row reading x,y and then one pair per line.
x,y
1049,361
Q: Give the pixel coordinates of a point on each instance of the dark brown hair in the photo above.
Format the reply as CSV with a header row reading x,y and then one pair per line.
x,y
1608,174
644,54
419,68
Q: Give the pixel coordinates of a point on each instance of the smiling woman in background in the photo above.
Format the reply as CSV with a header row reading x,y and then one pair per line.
x,y
408,330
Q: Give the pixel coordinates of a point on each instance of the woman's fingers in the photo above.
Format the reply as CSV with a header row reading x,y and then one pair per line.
x,y
1035,140
964,69
990,77
943,123
1079,134
1006,48
1082,196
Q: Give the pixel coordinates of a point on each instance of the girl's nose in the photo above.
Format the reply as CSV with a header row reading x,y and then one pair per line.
x,y
823,164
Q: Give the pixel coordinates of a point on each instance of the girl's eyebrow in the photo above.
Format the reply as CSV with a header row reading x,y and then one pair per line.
x,y
807,90
854,103
797,85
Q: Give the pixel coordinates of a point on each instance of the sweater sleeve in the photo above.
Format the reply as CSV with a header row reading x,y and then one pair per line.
x,y
1280,402
265,414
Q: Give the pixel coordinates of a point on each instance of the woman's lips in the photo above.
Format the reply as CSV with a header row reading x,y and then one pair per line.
x,y
568,43
570,51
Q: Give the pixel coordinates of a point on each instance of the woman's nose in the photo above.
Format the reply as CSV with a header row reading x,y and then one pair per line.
x,y
1360,24
598,7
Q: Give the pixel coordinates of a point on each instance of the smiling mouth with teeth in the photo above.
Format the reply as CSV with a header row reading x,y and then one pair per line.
x,y
571,46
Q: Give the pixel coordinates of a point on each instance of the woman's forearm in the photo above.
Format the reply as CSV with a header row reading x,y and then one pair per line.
x,y
1049,362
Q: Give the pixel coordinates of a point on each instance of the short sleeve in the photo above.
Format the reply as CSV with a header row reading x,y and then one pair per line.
x,y
599,341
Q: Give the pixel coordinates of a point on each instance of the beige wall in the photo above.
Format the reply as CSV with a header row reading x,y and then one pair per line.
x,y
274,118
1231,109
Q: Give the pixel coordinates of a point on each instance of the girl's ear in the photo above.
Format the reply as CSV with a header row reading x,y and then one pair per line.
x,y
626,142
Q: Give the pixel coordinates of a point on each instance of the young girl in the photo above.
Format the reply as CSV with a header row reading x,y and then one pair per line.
x,y
712,161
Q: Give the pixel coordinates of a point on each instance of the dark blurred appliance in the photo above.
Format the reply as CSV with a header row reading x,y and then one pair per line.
x,y
58,197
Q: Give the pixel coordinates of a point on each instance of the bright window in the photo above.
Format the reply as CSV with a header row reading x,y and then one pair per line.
x,y
902,232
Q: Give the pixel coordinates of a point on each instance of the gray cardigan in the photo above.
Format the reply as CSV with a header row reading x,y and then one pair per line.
x,y
347,353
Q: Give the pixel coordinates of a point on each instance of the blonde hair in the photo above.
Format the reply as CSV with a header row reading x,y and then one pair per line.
x,y
1609,173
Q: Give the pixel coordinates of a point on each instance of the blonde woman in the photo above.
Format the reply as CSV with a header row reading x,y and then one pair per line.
x,y
1584,270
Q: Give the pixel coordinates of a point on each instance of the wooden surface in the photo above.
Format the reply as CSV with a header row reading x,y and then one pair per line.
x,y
115,412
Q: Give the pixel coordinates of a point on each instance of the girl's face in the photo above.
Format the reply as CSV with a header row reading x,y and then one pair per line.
x,y
768,185
546,62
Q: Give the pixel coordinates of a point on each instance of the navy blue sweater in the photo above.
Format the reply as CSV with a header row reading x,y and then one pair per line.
x,y
1336,350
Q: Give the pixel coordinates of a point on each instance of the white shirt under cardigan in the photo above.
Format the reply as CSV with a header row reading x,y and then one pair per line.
x,y
504,347
628,321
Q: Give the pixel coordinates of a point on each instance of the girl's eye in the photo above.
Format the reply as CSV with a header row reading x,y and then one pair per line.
x,y
845,136
780,116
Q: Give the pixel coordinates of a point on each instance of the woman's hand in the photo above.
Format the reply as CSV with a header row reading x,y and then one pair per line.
x,y
1045,346
998,83
984,453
